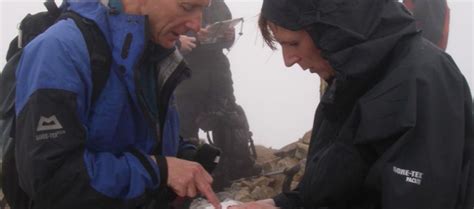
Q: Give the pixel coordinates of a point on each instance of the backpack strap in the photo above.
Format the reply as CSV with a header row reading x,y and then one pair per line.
x,y
52,8
99,51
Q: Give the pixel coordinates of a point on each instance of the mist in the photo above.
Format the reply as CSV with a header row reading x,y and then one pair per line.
x,y
280,102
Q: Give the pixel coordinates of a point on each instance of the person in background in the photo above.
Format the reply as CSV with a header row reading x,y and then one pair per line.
x,y
432,17
206,101
118,152
394,128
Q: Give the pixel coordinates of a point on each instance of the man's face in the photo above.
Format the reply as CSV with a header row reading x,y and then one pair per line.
x,y
170,18
298,48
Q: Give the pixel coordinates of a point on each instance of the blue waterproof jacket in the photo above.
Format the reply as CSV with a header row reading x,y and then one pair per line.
x,y
74,153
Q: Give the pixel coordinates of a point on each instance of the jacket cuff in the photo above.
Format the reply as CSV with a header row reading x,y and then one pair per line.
x,y
163,167
147,164
284,202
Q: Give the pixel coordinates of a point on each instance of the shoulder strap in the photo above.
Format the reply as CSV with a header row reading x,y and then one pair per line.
x,y
99,52
52,8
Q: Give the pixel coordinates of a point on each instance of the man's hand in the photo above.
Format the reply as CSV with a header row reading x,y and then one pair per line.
x,y
203,34
187,178
187,43
261,204
229,34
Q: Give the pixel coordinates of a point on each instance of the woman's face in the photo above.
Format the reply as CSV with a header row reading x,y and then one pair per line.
x,y
298,47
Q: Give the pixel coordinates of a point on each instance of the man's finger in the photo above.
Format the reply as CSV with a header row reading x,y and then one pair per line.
x,y
191,190
207,176
212,198
180,192
206,190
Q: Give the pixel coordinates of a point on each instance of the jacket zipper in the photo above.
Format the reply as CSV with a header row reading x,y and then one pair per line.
x,y
139,92
178,75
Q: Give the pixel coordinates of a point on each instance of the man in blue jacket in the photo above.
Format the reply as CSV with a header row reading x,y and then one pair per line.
x,y
118,151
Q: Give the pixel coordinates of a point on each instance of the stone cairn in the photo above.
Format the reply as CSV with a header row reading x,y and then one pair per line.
x,y
270,182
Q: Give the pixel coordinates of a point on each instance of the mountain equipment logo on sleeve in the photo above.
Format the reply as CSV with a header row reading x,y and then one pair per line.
x,y
49,124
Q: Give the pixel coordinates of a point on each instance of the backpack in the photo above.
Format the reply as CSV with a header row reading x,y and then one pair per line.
x,y
30,27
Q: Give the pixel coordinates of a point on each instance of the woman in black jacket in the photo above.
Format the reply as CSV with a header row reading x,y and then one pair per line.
x,y
394,127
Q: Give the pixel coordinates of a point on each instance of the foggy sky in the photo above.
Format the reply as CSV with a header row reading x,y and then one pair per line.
x,y
280,102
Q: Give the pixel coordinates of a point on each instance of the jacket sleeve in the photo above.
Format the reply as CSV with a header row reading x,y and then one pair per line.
x,y
288,200
333,177
425,123
56,168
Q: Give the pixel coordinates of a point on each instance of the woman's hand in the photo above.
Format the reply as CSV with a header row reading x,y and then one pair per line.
x,y
229,34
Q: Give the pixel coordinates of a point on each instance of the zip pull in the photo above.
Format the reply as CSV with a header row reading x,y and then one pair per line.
x,y
241,32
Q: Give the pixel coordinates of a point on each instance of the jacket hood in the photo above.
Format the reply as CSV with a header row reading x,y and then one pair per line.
x,y
355,36
113,23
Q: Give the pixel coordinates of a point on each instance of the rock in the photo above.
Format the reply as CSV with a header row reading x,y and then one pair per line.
x,y
264,154
263,181
267,186
301,151
244,196
307,137
286,163
3,201
286,151
263,192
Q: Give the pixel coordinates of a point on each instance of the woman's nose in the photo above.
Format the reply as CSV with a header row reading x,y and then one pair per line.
x,y
290,60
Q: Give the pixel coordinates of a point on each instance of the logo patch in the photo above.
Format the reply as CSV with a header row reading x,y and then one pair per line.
x,y
411,176
48,124
50,127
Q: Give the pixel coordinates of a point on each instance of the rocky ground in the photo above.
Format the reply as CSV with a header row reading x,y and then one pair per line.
x,y
274,163
270,183
3,204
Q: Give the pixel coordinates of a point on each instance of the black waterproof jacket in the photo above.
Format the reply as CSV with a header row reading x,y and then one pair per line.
x,y
394,128
211,78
